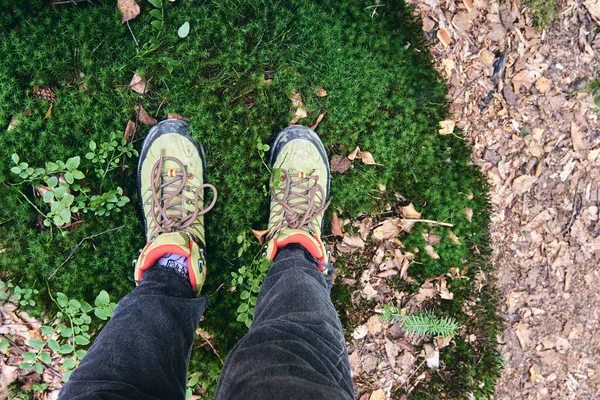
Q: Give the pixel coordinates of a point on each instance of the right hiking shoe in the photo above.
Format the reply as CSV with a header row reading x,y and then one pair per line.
x,y
299,193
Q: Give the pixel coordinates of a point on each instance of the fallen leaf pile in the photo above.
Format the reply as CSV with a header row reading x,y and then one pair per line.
x,y
382,356
520,95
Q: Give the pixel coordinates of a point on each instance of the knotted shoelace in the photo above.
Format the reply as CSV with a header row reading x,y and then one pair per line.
x,y
298,200
167,198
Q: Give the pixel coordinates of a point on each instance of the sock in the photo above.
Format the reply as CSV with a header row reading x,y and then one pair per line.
x,y
176,263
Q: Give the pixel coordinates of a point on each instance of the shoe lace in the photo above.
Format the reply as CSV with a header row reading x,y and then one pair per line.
x,y
168,195
302,200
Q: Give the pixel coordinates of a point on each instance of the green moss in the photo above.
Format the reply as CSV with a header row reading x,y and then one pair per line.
x,y
543,11
384,96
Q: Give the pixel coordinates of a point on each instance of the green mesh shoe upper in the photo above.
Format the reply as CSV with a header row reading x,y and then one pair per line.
x,y
171,184
299,191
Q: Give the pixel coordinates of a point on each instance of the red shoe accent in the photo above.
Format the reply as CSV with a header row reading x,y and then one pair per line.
x,y
155,254
303,241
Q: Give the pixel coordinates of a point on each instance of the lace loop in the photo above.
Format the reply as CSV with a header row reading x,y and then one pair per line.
x,y
299,200
166,200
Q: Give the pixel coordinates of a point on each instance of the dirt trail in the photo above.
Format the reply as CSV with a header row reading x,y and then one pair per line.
x,y
534,132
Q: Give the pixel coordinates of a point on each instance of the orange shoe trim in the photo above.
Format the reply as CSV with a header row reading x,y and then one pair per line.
x,y
303,241
155,254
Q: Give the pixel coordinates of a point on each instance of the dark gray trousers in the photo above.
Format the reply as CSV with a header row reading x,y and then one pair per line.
x,y
294,350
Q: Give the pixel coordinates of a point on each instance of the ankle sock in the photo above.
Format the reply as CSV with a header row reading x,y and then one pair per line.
x,y
175,263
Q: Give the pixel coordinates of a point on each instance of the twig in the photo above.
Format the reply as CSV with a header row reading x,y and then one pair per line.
x,y
79,244
429,221
210,344
137,44
70,2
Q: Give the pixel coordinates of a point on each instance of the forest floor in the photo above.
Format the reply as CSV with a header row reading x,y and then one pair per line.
x,y
534,131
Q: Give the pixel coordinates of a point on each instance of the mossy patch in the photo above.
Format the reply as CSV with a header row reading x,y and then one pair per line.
x,y
383,95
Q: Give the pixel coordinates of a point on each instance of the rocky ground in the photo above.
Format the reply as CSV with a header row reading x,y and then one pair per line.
x,y
522,98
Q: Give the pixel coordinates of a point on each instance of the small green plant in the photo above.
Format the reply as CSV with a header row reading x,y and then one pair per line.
x,y
543,11
68,334
62,186
249,278
421,323
108,155
21,297
192,381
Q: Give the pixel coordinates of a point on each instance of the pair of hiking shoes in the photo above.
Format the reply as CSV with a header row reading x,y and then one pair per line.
x,y
171,185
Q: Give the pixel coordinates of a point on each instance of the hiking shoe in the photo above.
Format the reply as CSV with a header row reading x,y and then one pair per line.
x,y
171,186
299,193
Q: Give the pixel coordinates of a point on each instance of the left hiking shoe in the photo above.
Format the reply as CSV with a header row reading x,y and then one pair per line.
x,y
171,186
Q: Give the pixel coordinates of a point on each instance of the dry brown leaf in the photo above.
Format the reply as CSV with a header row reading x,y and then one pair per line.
x,y
369,292
444,37
432,357
176,116
407,225
367,158
49,112
487,57
577,137
129,131
525,78
522,332
300,113
409,212
350,244
433,239
374,325
443,341
355,153
129,9
453,237
391,351
260,235
388,230
336,228
468,5
468,213
360,332
8,375
378,394
145,118
296,99
447,127
138,84
340,164
365,227
523,183
444,292
321,92
431,252
319,119
542,84
426,292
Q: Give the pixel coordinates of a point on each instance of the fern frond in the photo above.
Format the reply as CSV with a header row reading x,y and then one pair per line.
x,y
422,323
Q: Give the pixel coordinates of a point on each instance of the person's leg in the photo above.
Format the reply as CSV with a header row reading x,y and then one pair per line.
x,y
295,347
144,349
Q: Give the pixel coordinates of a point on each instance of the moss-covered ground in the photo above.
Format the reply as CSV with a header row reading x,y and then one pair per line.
x,y
383,95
